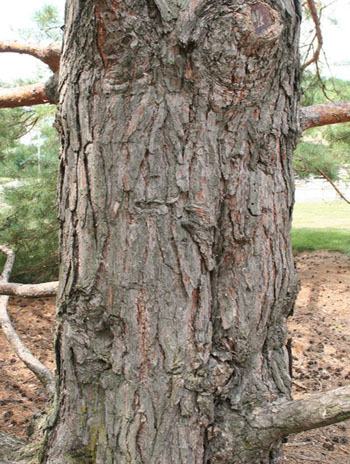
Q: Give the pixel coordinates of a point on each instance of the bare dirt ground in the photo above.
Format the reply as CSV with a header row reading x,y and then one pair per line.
x,y
320,330
21,394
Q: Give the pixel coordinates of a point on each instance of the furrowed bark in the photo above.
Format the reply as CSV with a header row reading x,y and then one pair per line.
x,y
324,114
49,55
28,290
178,121
38,369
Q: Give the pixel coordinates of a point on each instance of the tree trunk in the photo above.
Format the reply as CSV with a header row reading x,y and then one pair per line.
x,y
178,121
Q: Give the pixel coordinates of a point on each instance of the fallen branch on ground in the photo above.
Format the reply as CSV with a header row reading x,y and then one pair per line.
x,y
38,369
28,290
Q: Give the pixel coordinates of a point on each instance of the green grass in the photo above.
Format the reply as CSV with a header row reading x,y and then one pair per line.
x,y
321,239
321,226
334,215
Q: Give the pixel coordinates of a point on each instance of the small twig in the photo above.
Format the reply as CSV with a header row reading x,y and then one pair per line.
x,y
323,174
299,443
306,458
344,449
39,370
321,81
316,20
299,385
309,48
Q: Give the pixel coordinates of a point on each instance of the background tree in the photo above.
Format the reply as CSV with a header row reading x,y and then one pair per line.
x,y
323,149
28,223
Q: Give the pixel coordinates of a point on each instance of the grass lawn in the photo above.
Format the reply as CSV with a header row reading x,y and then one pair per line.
x,y
321,226
334,215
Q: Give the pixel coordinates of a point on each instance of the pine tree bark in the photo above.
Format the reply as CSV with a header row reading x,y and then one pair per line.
x,y
178,120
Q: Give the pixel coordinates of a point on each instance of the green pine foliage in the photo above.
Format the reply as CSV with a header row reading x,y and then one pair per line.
x,y
28,221
47,25
325,148
14,123
312,158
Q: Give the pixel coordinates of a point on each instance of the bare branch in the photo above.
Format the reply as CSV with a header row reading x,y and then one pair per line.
x,y
309,413
8,264
27,95
317,23
41,371
49,55
324,114
28,290
328,179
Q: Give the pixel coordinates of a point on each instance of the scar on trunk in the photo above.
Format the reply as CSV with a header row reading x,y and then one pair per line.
x,y
261,17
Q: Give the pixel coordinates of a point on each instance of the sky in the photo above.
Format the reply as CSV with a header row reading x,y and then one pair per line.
x,y
18,14
14,15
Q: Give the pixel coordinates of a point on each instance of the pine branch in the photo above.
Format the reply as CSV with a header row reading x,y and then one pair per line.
x,y
324,114
49,55
315,411
27,95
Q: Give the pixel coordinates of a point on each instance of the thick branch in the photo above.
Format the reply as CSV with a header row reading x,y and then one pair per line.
x,y
49,55
27,95
324,114
41,371
309,413
28,290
